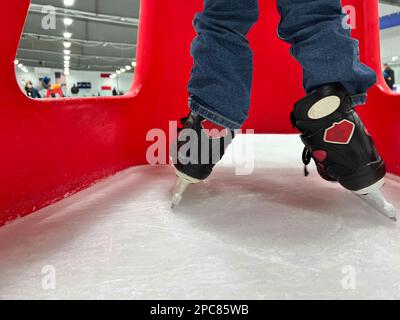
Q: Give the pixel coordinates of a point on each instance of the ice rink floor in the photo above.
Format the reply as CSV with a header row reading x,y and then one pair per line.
x,y
273,234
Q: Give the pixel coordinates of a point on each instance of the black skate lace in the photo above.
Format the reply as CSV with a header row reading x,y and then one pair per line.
x,y
306,156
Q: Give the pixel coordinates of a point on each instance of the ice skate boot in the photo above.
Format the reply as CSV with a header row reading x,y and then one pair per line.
x,y
341,147
198,148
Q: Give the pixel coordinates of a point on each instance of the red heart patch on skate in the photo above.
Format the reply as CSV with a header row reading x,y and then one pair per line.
x,y
340,132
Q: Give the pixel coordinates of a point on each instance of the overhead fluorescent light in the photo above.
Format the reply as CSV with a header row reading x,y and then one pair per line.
x,y
128,68
69,3
67,35
134,64
67,44
67,52
16,62
68,21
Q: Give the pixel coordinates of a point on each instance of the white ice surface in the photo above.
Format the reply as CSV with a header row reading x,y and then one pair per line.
x,y
272,234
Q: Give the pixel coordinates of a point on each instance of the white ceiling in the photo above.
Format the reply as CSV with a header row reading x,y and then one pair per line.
x,y
104,35
385,9
390,38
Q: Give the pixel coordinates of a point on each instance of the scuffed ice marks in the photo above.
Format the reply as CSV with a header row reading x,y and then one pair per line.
x,y
273,234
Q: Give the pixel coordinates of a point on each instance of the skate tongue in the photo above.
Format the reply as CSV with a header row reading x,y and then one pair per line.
x,y
301,120
320,107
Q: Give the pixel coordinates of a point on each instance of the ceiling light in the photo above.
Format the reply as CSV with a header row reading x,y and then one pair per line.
x,y
20,65
122,70
67,52
16,62
134,64
128,68
67,58
67,35
67,44
68,21
395,58
24,69
69,3
118,72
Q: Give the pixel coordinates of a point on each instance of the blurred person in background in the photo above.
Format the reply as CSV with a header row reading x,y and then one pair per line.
x,y
388,73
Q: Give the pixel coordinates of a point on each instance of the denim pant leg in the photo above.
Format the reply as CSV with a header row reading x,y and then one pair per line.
x,y
221,77
323,46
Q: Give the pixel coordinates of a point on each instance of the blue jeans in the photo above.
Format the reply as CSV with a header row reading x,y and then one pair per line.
x,y
221,77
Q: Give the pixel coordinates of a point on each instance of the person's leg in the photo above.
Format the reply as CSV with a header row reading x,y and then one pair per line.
x,y
324,48
219,89
335,81
221,77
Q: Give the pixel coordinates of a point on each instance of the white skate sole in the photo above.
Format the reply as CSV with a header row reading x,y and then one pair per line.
x,y
372,196
182,183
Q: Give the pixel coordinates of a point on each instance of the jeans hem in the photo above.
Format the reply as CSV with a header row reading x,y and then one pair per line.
x,y
213,116
359,99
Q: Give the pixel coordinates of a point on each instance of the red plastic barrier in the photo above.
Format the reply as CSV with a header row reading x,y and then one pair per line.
x,y
53,148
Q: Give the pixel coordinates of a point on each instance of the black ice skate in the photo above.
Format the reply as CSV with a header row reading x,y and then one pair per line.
x,y
340,145
200,145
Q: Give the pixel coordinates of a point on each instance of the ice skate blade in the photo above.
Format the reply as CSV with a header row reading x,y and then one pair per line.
x,y
180,188
376,200
181,185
